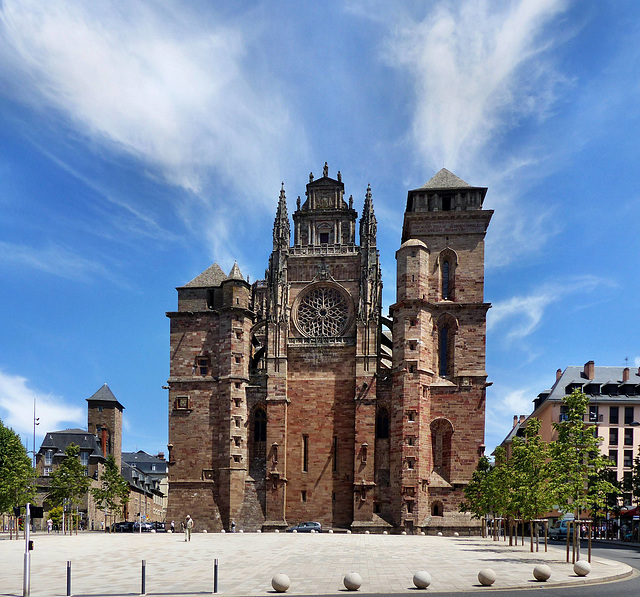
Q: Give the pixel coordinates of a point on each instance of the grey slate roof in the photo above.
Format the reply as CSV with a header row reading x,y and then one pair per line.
x,y
104,394
59,440
144,462
445,180
604,377
235,273
139,480
212,276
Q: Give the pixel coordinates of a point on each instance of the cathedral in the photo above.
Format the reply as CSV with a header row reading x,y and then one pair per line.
x,y
295,398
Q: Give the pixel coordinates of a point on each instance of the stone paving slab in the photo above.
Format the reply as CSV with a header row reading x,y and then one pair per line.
x,y
110,564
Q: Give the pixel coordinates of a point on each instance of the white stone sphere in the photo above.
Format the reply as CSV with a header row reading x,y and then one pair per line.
x,y
404,532
280,583
422,533
295,531
352,581
259,531
348,531
366,533
223,531
153,530
205,531
277,530
439,533
542,572
169,531
385,533
486,577
241,531
422,579
456,534
582,567
331,531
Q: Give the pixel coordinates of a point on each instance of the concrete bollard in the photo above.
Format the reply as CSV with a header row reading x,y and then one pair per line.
x,y
582,567
542,572
486,577
205,531
259,531
422,533
348,531
294,530
280,583
422,579
352,581
241,531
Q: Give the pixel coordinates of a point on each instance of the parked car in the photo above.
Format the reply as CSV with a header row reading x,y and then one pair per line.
x,y
159,527
122,527
559,530
306,527
146,527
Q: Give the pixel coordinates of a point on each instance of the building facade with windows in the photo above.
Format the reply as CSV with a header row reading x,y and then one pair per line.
x,y
103,437
614,410
294,398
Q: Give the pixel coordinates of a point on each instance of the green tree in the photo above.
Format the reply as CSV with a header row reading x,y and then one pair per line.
x,y
16,473
531,484
478,494
113,492
578,468
55,514
69,481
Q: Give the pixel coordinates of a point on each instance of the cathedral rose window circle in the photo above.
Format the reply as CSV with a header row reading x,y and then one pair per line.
x,y
323,312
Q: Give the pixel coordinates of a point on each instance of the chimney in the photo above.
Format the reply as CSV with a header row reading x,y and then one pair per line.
x,y
515,420
522,418
590,370
161,455
558,374
625,374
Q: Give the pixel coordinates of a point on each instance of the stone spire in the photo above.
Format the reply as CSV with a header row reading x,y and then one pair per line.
x,y
281,229
368,222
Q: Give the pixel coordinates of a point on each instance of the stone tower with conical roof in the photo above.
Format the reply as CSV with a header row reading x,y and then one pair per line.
x,y
104,420
295,399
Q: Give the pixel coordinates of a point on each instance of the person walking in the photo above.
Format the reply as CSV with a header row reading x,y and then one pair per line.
x,y
49,525
173,526
188,525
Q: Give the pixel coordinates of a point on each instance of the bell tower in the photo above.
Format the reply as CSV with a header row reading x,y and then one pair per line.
x,y
439,331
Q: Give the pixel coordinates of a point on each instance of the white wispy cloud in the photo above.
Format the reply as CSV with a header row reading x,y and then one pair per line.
x,y
170,87
16,408
478,67
53,259
519,316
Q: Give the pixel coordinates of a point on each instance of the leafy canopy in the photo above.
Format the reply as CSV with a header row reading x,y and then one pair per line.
x,y
16,473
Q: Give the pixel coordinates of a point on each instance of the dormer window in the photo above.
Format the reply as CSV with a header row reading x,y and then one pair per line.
x,y
48,457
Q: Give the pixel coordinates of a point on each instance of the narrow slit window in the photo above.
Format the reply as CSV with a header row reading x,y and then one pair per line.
x,y
445,280
305,453
335,454
444,342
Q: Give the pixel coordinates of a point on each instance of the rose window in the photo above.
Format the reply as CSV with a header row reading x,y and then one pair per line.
x,y
323,312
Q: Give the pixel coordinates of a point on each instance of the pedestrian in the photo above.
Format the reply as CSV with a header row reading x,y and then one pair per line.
x,y
188,525
49,525
173,526
233,526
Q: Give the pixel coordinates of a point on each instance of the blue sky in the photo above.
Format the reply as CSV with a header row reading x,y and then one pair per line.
x,y
140,142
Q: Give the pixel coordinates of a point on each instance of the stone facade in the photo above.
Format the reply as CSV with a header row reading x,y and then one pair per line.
x,y
294,399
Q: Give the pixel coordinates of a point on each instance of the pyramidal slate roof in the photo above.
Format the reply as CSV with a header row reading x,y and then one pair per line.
x,y
445,180
235,273
212,276
104,394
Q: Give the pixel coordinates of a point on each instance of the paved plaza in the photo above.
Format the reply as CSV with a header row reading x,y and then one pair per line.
x,y
110,564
